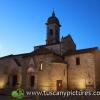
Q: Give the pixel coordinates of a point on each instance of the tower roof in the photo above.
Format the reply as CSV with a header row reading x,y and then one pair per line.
x,y
53,19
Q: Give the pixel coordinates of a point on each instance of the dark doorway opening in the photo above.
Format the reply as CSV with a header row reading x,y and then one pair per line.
x,y
14,80
32,80
8,81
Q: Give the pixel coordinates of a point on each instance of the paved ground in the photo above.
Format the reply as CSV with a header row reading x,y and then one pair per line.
x,y
2,97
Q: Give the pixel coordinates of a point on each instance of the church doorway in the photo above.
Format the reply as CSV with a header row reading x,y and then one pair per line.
x,y
32,81
59,85
14,80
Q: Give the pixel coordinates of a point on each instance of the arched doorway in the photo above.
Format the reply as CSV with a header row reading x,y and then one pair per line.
x,y
31,77
32,81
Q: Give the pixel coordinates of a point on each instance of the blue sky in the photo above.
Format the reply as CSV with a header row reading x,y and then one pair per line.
x,y
22,23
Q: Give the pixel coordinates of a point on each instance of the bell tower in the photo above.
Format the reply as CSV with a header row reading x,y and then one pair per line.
x,y
53,30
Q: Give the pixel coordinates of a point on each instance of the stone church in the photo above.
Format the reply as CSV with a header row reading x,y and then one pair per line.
x,y
56,65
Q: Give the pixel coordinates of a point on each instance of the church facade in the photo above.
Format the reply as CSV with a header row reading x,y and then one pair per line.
x,y
57,65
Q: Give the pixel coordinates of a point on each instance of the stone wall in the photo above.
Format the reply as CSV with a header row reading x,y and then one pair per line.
x,y
44,77
81,76
55,48
67,44
47,78
97,69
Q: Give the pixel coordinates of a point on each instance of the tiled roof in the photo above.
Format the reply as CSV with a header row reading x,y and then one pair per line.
x,y
11,56
42,50
81,51
39,51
